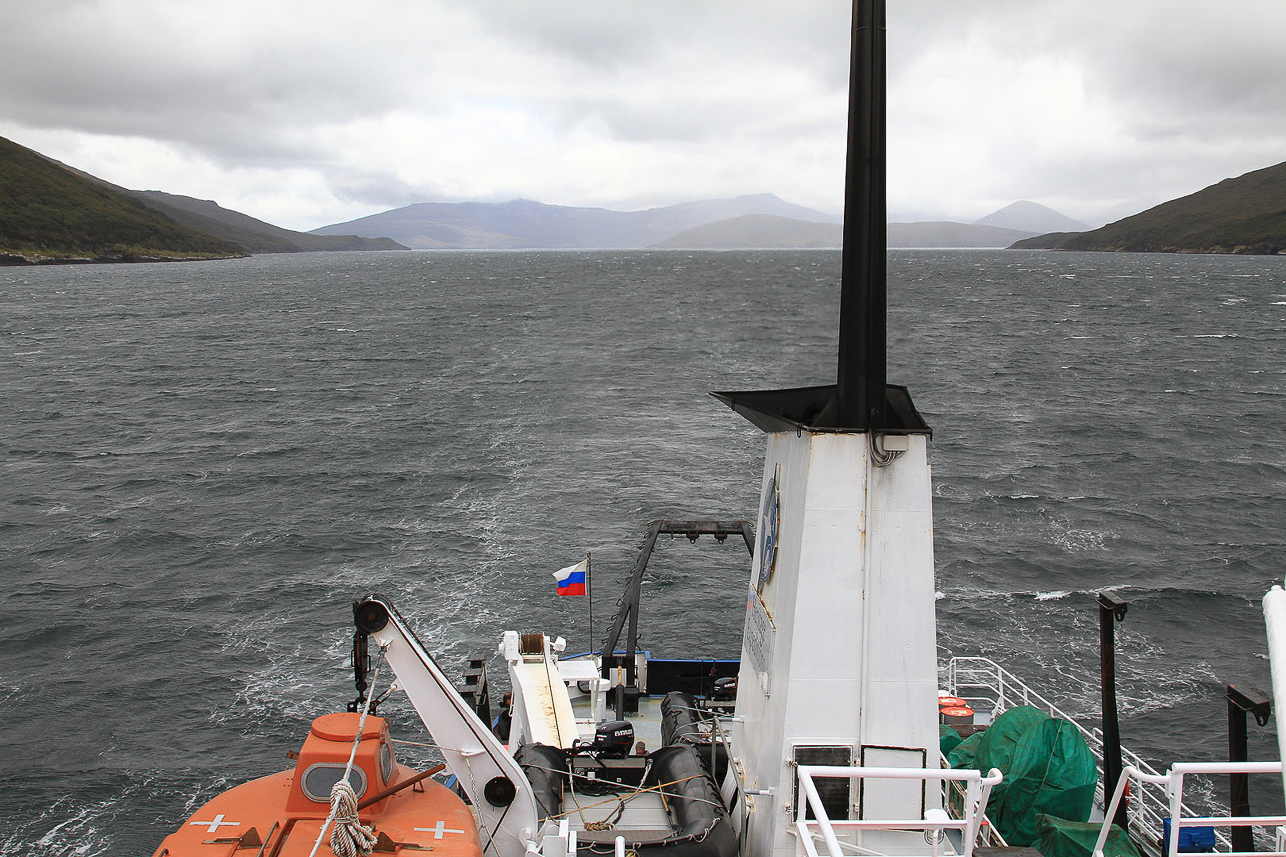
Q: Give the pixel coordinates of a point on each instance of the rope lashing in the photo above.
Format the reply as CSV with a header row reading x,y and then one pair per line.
x,y
349,837
342,797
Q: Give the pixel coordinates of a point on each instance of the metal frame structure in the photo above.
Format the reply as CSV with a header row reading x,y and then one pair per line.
x,y
628,608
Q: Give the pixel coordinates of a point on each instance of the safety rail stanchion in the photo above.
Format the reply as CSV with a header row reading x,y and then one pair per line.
x,y
1130,772
1175,789
1274,604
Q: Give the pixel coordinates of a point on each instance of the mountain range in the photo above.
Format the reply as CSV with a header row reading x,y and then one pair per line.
x,y
525,224
50,212
744,222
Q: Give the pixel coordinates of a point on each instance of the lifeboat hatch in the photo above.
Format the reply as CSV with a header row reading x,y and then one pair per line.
x,y
324,757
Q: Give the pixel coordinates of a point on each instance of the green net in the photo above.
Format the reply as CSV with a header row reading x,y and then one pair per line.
x,y
948,739
1053,772
1061,838
1002,736
1048,768
961,756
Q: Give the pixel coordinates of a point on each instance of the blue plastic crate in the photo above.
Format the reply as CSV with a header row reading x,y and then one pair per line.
x,y
1192,840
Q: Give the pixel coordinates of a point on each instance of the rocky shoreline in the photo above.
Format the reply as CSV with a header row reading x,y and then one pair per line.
x,y
12,259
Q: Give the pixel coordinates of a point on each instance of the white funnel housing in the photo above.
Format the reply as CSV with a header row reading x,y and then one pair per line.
x,y
839,658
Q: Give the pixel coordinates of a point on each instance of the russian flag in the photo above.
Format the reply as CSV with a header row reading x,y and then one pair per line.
x,y
571,580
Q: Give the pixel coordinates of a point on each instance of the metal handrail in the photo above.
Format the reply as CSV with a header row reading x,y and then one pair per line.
x,y
978,791
988,835
1172,782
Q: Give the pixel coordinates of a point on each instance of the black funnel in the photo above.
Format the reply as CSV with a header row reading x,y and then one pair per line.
x,y
861,399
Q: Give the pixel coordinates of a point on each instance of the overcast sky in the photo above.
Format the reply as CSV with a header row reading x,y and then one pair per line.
x,y
310,112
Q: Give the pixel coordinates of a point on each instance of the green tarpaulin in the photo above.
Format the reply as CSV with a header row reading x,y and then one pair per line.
x,y
1052,772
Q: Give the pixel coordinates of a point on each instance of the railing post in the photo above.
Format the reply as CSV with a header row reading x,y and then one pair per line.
x,y
1241,703
1175,789
1112,801
1111,610
973,796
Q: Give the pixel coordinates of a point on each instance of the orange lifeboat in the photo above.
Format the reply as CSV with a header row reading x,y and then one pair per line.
x,y
282,815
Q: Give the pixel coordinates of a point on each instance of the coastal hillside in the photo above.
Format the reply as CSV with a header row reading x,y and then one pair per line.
x,y
50,214
255,236
1246,214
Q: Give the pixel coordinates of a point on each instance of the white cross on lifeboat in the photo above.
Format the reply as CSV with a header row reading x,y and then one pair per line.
x,y
437,830
219,822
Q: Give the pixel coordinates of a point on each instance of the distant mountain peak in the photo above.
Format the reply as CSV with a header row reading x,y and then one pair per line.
x,y
1029,216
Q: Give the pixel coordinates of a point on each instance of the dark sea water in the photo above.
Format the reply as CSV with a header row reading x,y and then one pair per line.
x,y
205,463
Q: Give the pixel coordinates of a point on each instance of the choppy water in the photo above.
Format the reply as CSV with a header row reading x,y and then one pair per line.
x,y
205,463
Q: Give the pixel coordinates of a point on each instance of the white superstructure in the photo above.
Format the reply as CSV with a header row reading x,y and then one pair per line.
x,y
839,658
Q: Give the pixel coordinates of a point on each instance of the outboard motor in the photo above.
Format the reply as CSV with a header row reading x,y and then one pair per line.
x,y
613,739
725,688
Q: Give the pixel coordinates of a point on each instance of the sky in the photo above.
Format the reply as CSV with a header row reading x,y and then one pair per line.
x,y
310,112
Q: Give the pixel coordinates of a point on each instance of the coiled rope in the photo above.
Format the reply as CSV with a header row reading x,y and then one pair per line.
x,y
349,838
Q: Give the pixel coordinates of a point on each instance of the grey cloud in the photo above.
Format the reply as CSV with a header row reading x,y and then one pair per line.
x,y
380,188
225,93
1183,86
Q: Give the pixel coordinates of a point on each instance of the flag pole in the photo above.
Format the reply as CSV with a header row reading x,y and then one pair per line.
x,y
589,596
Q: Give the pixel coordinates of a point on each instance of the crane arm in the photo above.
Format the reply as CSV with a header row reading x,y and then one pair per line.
x,y
501,795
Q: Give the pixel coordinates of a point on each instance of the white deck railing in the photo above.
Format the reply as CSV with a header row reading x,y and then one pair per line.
x,y
954,796
1172,783
935,823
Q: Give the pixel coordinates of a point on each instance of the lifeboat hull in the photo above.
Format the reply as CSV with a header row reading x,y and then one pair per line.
x,y
281,815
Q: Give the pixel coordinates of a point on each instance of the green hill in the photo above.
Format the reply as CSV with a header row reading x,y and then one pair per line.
x,y
254,235
50,214
1242,215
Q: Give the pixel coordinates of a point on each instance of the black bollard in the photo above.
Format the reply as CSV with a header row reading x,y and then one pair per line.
x,y
1111,609
1240,703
